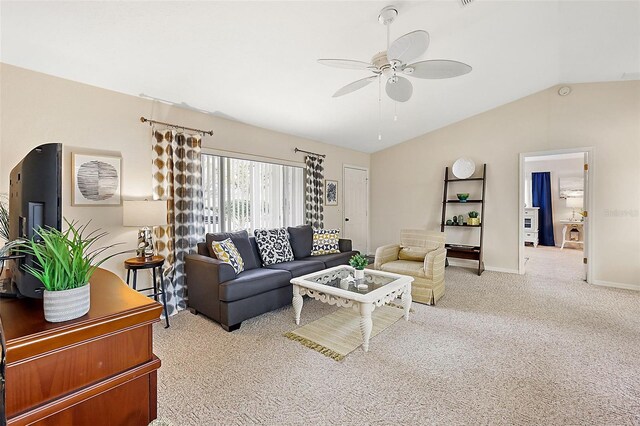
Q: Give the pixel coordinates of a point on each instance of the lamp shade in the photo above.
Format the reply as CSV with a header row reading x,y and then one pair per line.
x,y
144,213
575,202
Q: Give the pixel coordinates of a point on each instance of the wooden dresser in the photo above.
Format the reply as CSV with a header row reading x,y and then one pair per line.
x,y
98,369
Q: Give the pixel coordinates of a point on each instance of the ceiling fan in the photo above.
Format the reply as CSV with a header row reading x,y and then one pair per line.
x,y
392,64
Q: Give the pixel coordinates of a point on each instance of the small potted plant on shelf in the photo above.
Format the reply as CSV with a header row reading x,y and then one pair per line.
x,y
64,262
359,262
474,220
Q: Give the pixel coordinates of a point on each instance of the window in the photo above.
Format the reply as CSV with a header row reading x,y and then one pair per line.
x,y
243,194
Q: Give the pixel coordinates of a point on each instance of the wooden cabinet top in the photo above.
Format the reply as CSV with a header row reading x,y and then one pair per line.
x,y
114,306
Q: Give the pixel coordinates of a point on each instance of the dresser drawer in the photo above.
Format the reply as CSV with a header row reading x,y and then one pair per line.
x,y
530,237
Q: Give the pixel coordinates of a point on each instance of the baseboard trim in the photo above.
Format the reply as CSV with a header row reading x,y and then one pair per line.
x,y
474,265
503,270
623,286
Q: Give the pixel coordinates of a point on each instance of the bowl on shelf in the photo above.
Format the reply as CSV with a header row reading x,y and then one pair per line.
x,y
462,197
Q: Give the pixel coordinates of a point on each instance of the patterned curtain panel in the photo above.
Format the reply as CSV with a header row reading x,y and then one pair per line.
x,y
314,191
177,178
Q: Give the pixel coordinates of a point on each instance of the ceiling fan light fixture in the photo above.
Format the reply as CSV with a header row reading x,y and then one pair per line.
x,y
388,15
397,61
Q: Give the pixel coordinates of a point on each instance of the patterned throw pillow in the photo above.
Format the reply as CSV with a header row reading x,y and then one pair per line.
x,y
273,245
325,241
227,252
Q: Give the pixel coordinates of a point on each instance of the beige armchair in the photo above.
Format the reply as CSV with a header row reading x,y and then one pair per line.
x,y
420,254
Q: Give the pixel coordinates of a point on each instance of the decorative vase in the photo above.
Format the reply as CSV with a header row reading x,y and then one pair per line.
x,y
65,305
359,274
460,220
449,222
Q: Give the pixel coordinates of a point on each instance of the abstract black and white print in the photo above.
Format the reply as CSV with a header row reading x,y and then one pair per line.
x,y
96,180
331,191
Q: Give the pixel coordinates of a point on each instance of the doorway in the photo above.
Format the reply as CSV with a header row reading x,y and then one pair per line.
x,y
356,207
555,227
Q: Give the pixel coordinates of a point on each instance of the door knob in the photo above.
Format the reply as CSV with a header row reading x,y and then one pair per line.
x,y
346,219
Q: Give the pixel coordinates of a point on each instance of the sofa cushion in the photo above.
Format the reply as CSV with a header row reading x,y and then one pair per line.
x,y
333,259
241,241
227,252
301,238
325,241
298,267
273,245
253,282
417,254
405,267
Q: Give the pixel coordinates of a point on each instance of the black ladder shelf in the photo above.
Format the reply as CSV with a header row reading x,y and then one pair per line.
x,y
465,251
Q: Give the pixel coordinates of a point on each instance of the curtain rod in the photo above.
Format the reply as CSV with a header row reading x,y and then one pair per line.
x,y
309,152
204,132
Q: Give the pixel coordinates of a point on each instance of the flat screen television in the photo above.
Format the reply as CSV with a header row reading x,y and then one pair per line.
x,y
35,190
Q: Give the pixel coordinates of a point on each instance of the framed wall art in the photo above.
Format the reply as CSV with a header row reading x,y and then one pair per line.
x,y
96,180
571,187
331,192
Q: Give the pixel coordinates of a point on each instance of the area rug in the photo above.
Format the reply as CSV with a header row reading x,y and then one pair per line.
x,y
338,334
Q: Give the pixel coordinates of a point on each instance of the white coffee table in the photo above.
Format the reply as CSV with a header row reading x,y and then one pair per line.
x,y
329,287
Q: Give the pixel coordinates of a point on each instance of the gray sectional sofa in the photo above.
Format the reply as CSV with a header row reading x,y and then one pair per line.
x,y
216,291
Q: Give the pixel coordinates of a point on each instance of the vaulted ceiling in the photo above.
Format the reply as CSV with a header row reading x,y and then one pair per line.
x,y
255,62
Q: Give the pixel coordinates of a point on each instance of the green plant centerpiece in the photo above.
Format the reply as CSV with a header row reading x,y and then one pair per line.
x,y
473,218
358,262
64,262
4,218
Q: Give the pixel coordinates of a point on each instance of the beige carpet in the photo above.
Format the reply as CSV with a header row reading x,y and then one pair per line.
x,y
338,334
500,349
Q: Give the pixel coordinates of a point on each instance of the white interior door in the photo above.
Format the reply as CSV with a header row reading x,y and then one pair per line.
x,y
356,207
585,228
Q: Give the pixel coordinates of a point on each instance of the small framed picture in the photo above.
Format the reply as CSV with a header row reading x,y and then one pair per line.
x,y
96,180
331,192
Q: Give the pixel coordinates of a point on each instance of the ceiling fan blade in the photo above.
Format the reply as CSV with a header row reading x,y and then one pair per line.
x,y
409,46
352,87
436,69
345,63
399,91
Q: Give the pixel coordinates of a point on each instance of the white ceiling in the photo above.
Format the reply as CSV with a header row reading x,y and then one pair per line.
x,y
255,62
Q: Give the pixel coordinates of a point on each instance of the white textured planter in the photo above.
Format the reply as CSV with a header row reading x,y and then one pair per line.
x,y
66,305
359,274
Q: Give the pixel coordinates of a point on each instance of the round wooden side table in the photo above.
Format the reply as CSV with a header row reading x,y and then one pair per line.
x,y
154,263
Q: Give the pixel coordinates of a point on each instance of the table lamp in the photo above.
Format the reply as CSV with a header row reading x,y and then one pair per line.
x,y
574,202
144,215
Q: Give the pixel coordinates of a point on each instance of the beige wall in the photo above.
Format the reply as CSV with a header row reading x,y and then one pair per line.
x,y
406,180
38,108
558,168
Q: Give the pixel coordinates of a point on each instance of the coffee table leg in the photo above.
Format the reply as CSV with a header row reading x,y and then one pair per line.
x,y
406,301
297,303
366,324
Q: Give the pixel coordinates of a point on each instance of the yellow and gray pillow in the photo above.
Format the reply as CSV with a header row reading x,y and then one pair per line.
x,y
227,252
325,241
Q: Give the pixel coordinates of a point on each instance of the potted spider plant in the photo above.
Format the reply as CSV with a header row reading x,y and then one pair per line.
x,y
4,218
358,262
64,262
